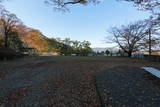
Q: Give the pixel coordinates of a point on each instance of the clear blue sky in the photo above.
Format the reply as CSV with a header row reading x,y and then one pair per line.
x,y
81,23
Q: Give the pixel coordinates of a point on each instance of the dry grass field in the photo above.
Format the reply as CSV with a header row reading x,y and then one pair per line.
x,y
56,81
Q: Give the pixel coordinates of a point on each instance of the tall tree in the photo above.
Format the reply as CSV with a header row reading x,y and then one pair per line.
x,y
107,52
67,41
75,45
128,37
8,22
85,50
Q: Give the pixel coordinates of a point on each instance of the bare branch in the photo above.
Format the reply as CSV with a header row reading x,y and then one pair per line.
x,y
62,4
127,37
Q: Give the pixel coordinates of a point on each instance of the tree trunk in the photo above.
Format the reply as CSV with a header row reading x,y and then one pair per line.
x,y
6,41
129,54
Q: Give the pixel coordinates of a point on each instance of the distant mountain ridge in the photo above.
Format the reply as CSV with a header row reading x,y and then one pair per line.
x,y
100,49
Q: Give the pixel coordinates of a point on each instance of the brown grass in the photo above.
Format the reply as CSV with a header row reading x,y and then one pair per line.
x,y
75,87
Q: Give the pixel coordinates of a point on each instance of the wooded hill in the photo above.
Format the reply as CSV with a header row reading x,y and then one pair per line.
x,y
15,35
22,37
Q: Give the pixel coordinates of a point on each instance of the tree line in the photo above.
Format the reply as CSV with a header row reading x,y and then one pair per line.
x,y
130,38
68,47
15,35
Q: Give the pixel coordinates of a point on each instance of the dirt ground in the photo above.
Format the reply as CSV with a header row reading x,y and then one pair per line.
x,y
127,86
56,81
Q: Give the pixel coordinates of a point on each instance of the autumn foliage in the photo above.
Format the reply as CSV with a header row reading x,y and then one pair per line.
x,y
21,38
33,38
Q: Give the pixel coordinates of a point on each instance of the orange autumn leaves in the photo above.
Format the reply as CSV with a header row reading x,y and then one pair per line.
x,y
34,39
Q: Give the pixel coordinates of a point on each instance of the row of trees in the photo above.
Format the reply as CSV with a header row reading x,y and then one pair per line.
x,y
135,35
129,37
67,46
15,35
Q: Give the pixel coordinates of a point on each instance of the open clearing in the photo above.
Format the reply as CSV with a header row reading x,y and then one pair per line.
x,y
57,81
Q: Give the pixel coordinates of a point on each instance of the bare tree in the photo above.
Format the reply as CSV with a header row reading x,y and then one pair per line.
x,y
62,4
152,5
128,37
143,4
8,22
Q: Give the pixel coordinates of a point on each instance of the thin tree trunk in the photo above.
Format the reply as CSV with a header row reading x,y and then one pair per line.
x,y
129,54
6,41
